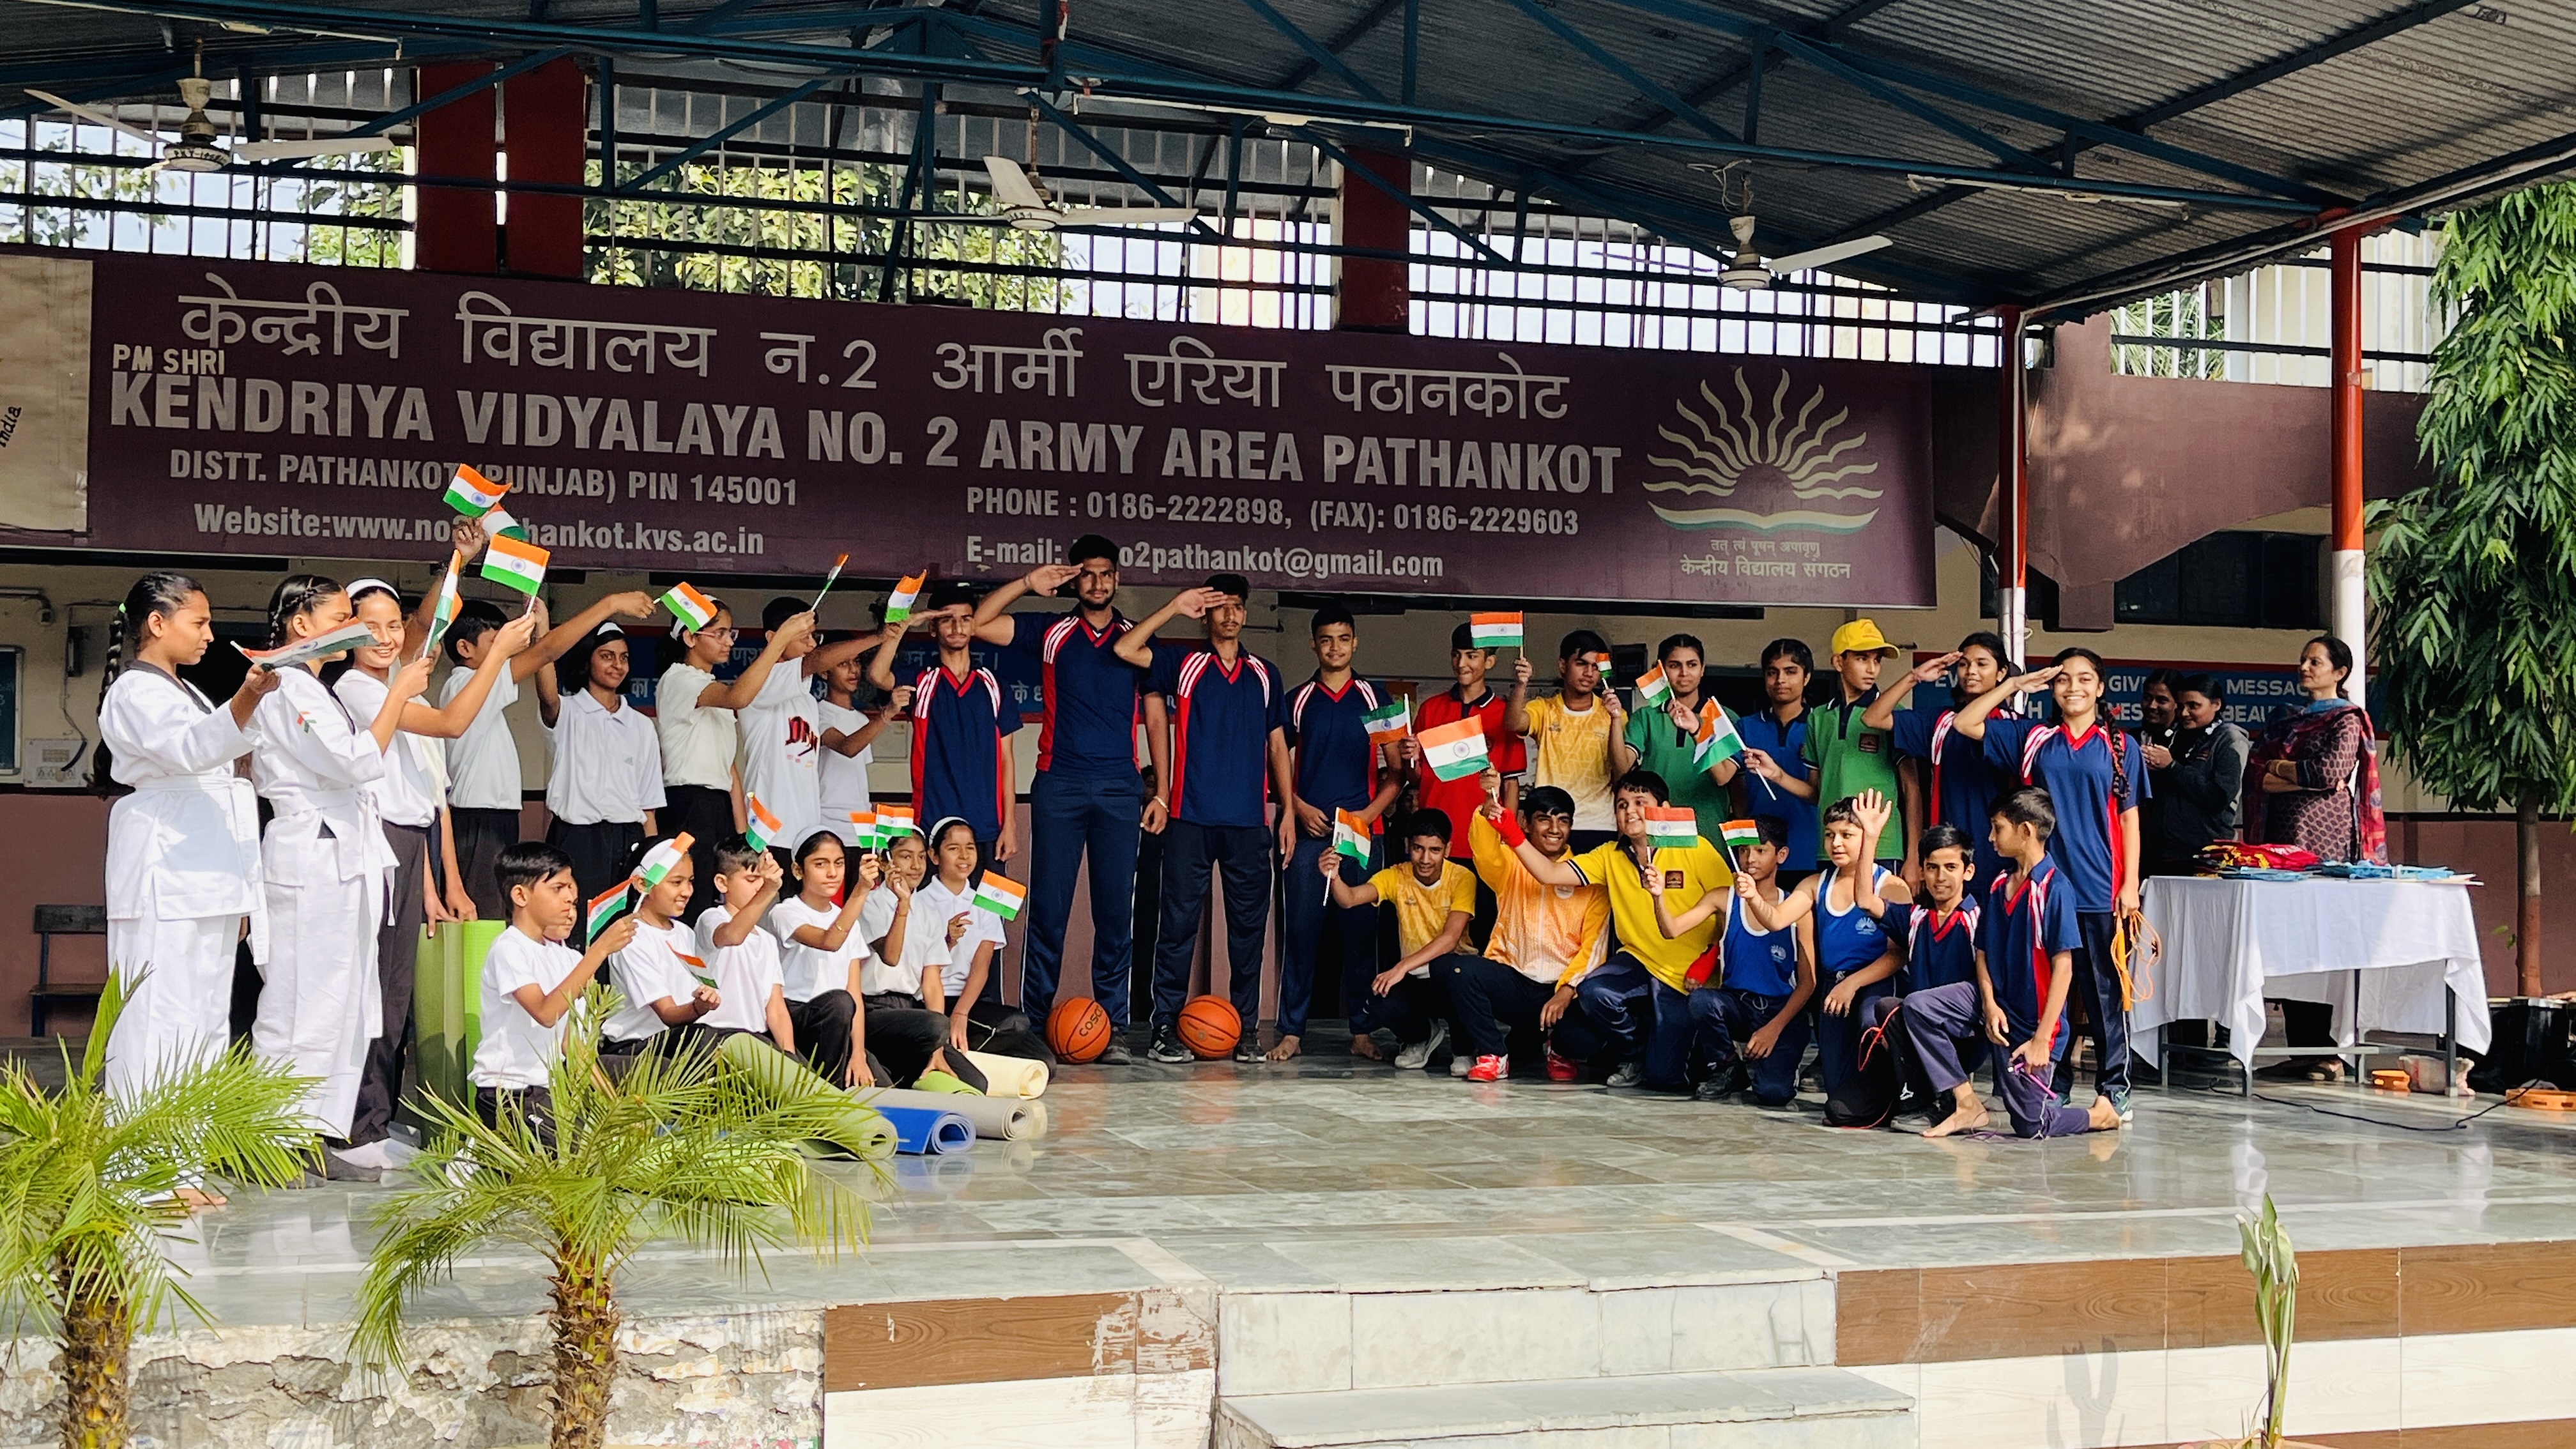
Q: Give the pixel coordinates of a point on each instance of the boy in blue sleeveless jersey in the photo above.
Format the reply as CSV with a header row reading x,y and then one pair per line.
x,y
1749,1027
1854,959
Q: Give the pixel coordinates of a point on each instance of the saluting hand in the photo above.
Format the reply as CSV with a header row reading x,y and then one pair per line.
x,y
1932,669
1047,578
1195,603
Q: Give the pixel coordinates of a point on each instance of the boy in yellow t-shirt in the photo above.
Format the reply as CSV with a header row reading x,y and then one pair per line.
x,y
1580,735
1434,898
1639,1000
1545,938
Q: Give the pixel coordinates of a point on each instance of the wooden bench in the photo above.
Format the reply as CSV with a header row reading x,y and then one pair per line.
x,y
52,921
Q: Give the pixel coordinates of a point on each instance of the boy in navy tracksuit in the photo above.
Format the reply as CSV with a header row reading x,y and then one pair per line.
x,y
2025,962
1749,1027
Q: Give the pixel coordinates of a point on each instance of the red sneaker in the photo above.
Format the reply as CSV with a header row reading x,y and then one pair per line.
x,y
1490,1069
1561,1070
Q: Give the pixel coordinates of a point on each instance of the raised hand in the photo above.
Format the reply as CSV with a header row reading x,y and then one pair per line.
x,y
408,681
465,535
619,935
2037,679
1195,603
1047,578
632,604
514,637
1873,809
1521,670
1932,669
796,630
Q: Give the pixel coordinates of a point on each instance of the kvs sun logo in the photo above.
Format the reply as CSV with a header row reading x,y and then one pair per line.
x,y
1774,474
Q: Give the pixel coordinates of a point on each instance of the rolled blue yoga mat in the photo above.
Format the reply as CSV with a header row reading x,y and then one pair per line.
x,y
927,1130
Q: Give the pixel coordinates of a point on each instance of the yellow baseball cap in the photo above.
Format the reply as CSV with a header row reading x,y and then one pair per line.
x,y
1861,636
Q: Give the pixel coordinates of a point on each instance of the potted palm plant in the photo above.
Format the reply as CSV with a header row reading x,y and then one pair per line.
x,y
687,1147
91,1182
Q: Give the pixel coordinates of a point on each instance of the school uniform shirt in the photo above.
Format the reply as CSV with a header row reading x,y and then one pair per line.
x,y
1672,753
1422,911
661,963
405,794
899,966
844,778
1849,757
958,726
781,749
1337,766
697,740
809,971
514,1052
1690,872
483,762
1964,783
744,974
607,763
1222,716
1089,700
1786,743
1940,946
2078,776
933,906
1573,754
1461,798
2022,928
1551,934
1751,959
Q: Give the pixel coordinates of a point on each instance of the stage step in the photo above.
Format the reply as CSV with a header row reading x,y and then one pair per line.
x,y
1284,1342
1795,1408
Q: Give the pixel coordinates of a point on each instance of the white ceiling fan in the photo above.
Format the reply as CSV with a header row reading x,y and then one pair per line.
x,y
1751,271
196,148
1027,207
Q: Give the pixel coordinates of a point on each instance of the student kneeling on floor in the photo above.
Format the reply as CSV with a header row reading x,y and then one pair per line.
x,y
1749,1027
2025,962
1434,898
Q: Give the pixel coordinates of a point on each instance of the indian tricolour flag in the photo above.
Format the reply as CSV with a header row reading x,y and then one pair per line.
x,y
1001,895
865,833
1387,723
1495,631
442,612
689,606
830,579
906,593
894,820
1652,687
351,635
1351,835
760,828
1739,834
603,907
472,494
1671,826
1717,736
499,524
1455,751
516,565
658,861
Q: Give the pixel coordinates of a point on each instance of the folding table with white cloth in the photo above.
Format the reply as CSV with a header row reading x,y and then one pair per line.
x,y
2387,955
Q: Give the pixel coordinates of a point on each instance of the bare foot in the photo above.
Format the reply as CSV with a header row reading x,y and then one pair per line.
x,y
1961,1119
2102,1116
1286,1050
1365,1047
198,1199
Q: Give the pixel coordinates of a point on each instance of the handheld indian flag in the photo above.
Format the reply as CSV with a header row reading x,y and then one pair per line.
x,y
603,908
907,593
1671,826
1455,751
1495,631
1739,834
1351,836
442,611
1001,895
499,524
689,606
472,494
865,833
894,820
1600,662
515,565
829,579
1387,723
1653,688
352,635
1717,736
697,969
658,861
760,828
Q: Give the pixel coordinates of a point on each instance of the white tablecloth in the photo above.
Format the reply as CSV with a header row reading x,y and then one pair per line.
x,y
2231,943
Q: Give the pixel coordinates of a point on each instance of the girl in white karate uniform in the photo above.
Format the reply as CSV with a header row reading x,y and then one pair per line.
x,y
183,870
327,867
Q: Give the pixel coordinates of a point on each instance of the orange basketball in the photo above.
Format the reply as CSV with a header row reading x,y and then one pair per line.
x,y
1078,1030
1209,1027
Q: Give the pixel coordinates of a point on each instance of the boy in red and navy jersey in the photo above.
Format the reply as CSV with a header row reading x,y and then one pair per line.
x,y
962,723
1086,798
2096,777
2026,946
1334,766
1216,722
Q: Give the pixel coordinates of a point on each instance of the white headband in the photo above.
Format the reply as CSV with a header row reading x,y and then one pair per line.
x,y
360,586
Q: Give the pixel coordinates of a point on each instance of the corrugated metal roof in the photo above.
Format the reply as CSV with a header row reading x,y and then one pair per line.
x,y
2287,89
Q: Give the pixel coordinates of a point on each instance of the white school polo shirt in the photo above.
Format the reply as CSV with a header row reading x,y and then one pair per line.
x,y
809,971
697,742
483,762
515,1052
744,974
932,906
406,795
607,763
661,963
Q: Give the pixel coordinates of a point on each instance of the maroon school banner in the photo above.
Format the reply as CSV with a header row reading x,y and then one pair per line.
x,y
244,407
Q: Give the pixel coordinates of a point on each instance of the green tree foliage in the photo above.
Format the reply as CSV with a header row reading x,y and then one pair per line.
x,y
2473,580
352,196
90,1184
46,224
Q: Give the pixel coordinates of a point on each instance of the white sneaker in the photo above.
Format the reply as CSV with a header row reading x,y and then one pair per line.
x,y
1418,1054
1458,1066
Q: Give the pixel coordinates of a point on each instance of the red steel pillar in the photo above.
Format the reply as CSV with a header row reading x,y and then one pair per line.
x,y
2012,492
545,117
2348,619
456,228
1375,295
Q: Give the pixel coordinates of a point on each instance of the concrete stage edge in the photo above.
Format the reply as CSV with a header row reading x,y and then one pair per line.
x,y
1315,1255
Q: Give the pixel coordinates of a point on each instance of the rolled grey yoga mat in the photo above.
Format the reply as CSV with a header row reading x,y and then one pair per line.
x,y
999,1118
